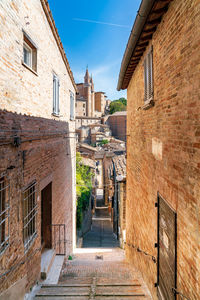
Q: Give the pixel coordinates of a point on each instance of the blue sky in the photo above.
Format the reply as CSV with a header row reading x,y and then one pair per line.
x,y
100,46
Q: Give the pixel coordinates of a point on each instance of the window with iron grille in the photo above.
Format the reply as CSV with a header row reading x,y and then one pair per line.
x,y
56,87
4,214
29,215
148,76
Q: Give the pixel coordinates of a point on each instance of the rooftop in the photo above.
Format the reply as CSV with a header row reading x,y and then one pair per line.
x,y
148,18
88,162
119,113
54,30
120,165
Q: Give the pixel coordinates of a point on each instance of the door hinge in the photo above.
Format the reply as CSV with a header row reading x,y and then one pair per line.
x,y
156,245
156,204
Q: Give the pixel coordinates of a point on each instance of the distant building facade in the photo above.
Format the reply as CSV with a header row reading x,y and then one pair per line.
x,y
90,105
117,123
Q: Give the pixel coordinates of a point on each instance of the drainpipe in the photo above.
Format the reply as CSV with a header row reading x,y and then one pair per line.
x,y
142,14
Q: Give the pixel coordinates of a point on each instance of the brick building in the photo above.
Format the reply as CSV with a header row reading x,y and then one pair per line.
x,y
117,123
37,145
90,105
100,102
160,72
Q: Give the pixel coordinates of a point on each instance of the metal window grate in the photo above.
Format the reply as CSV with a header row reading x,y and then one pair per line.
x,y
4,214
29,215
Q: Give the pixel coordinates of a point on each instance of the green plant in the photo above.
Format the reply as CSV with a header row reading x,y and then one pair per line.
x,y
83,189
118,105
103,142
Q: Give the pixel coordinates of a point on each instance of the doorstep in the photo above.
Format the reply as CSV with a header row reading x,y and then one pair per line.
x,y
54,273
47,259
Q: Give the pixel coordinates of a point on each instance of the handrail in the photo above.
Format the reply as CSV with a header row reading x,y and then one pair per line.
x,y
142,251
58,239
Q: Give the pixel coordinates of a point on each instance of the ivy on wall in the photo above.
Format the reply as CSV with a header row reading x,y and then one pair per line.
x,y
83,189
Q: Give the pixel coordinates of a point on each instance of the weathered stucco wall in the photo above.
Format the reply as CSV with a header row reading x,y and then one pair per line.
x,y
22,91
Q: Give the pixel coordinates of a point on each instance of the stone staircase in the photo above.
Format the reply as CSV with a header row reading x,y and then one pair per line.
x,y
92,288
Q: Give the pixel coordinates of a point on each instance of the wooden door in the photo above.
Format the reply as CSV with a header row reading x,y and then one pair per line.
x,y
167,233
46,216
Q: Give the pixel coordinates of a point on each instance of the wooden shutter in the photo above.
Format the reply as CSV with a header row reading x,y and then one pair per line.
x,y
148,77
56,85
57,98
145,80
71,106
54,93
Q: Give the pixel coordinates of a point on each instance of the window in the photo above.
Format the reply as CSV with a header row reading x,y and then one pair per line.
x,y
56,85
4,214
29,53
83,104
148,77
29,215
71,106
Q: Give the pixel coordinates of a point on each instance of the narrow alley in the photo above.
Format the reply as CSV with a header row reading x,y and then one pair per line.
x,y
99,150
98,270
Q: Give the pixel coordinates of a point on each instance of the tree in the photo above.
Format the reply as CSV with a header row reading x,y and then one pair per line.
x,y
118,105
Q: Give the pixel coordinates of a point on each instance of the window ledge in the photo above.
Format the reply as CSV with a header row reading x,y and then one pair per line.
x,y
148,104
56,115
26,66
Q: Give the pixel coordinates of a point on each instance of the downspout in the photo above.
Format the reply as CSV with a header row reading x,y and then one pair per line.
x,y
142,14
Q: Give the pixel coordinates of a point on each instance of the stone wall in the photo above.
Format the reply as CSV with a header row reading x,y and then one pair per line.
x,y
23,91
80,108
163,149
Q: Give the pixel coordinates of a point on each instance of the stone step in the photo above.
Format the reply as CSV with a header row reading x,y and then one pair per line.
x,y
82,291
47,259
114,297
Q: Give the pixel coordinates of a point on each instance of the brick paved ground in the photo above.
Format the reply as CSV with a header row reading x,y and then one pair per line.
x,y
101,260
97,271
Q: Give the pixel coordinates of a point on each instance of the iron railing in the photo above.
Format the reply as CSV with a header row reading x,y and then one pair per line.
x,y
58,238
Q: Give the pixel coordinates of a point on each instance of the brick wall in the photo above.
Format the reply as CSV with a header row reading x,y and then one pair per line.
x,y
117,123
100,102
44,155
163,150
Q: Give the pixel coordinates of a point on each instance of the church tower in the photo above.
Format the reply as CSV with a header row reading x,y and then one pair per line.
x,y
92,97
87,77
87,92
